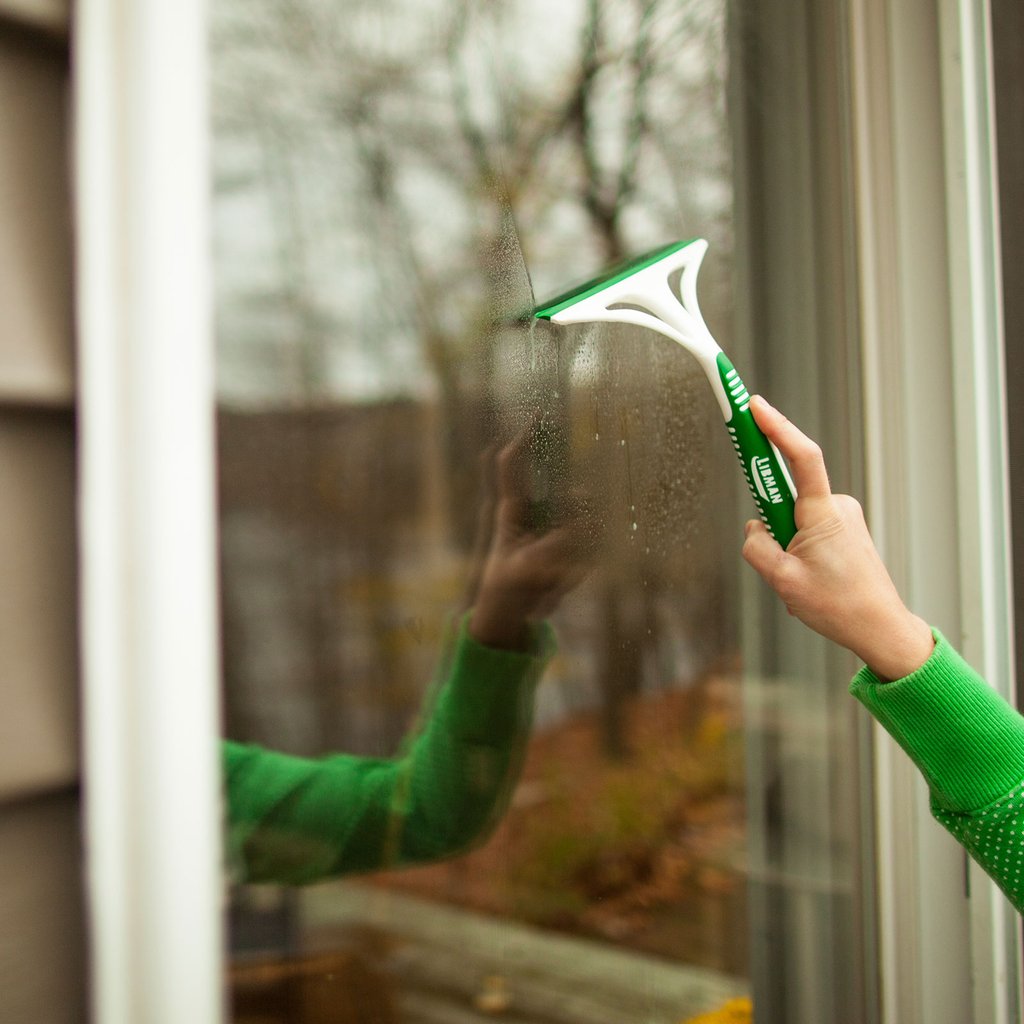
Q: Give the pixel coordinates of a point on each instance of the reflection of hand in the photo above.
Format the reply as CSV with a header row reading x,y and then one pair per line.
x,y
831,576
525,574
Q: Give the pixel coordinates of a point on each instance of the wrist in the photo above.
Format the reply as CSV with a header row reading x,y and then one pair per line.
x,y
899,649
493,628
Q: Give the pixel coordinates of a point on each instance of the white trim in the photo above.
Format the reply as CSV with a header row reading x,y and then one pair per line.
x,y
148,593
923,922
935,456
981,433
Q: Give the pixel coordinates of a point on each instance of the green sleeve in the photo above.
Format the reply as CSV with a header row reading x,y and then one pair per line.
x,y
295,820
969,744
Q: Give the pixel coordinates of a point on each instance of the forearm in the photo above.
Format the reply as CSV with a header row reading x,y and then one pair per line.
x,y
459,773
965,738
969,744
296,820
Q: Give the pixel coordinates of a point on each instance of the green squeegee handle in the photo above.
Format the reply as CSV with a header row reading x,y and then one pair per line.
x,y
767,477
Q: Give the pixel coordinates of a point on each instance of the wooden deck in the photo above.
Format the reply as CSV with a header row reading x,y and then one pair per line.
x,y
449,966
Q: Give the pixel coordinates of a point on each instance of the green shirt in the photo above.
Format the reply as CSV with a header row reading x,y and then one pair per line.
x,y
294,820
969,743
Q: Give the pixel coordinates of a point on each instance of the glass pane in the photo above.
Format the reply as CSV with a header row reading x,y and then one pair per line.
x,y
396,186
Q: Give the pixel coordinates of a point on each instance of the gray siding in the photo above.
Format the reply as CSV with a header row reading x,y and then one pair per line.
x,y
42,957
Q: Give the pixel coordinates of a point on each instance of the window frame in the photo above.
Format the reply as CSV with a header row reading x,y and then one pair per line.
x,y
148,589
935,422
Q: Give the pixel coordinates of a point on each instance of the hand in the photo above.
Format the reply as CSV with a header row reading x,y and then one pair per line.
x,y
831,576
525,574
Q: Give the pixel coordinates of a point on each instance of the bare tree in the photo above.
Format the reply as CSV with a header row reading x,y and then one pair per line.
x,y
385,176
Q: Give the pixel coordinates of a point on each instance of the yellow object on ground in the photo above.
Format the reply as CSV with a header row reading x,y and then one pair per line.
x,y
736,1011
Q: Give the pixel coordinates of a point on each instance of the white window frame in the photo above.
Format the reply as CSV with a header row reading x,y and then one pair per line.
x,y
148,593
936,426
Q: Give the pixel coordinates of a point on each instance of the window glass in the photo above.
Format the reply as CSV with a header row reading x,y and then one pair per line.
x,y
396,186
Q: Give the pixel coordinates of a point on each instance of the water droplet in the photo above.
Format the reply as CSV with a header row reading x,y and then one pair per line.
x,y
623,442
634,524
597,437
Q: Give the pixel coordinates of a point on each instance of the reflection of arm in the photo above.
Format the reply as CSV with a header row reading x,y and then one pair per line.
x,y
296,820
969,743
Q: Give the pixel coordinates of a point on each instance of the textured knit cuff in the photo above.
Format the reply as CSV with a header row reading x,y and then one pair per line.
x,y
966,739
489,696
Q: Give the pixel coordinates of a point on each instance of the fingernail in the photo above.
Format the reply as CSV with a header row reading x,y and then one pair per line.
x,y
763,402
748,526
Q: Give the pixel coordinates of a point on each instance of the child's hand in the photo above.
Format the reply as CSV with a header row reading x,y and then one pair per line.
x,y
831,576
525,574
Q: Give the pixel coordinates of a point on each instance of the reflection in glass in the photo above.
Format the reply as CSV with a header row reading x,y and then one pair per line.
x,y
395,185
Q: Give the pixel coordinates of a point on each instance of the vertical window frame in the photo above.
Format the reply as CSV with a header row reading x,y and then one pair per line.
x,y
935,423
147,527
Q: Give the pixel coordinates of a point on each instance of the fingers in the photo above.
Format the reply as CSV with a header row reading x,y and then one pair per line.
x,y
559,548
560,583
803,455
549,601
527,582
511,468
488,496
762,550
